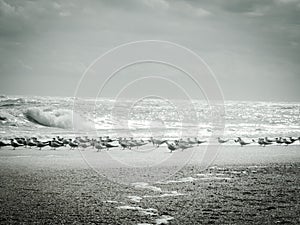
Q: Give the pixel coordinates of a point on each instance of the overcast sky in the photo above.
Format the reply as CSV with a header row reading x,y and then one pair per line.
x,y
253,46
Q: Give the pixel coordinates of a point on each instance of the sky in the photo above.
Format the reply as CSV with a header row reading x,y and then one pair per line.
x,y
252,46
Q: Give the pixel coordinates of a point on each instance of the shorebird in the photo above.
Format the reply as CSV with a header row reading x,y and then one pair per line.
x,y
293,139
279,140
157,142
2,144
108,145
287,142
84,145
191,141
109,139
269,140
222,141
172,147
15,144
183,145
54,144
199,142
73,144
31,143
262,142
242,142
41,145
124,144
99,146
139,143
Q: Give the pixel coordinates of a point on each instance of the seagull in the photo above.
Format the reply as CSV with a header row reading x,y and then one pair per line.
x,y
31,143
124,144
99,146
2,144
242,143
183,145
73,144
269,140
15,144
157,142
108,146
84,145
287,142
279,140
42,144
222,141
171,147
191,141
199,142
263,143
54,144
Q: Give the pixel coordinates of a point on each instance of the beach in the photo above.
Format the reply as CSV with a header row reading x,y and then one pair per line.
x,y
242,185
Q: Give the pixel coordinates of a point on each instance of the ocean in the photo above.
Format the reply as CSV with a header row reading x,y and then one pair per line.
x,y
68,116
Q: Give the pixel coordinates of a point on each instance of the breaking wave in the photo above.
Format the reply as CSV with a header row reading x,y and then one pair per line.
x,y
61,118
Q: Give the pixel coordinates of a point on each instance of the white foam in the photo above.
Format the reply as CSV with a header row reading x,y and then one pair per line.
x,y
148,211
143,185
135,198
61,118
164,219
182,180
167,194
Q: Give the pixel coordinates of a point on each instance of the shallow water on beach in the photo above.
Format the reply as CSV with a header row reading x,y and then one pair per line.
x,y
66,116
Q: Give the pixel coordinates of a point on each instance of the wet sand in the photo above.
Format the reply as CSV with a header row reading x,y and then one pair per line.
x,y
252,185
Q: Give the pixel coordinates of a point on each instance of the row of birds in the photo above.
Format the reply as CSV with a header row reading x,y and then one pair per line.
x,y
108,143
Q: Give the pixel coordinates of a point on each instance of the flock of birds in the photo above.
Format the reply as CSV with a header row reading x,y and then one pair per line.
x,y
106,143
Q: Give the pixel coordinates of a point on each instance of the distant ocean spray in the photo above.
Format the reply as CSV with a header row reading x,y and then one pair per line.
x,y
20,115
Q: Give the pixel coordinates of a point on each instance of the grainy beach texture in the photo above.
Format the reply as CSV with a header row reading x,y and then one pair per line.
x,y
253,185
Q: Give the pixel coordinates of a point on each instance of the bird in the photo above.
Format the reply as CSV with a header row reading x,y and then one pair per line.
x,y
15,144
99,146
183,145
124,144
222,141
140,143
172,147
293,139
108,145
3,144
287,142
40,144
199,142
242,142
269,140
191,141
84,145
73,144
279,140
263,143
157,142
54,144
31,143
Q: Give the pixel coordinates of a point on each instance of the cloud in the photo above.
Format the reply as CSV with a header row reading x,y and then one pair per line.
x,y
55,38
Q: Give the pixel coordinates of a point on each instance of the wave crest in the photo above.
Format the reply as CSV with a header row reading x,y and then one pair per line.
x,y
61,118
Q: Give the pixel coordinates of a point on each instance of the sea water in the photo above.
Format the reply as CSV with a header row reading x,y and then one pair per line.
x,y
68,116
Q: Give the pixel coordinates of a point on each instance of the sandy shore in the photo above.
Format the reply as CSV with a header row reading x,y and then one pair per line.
x,y
252,185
